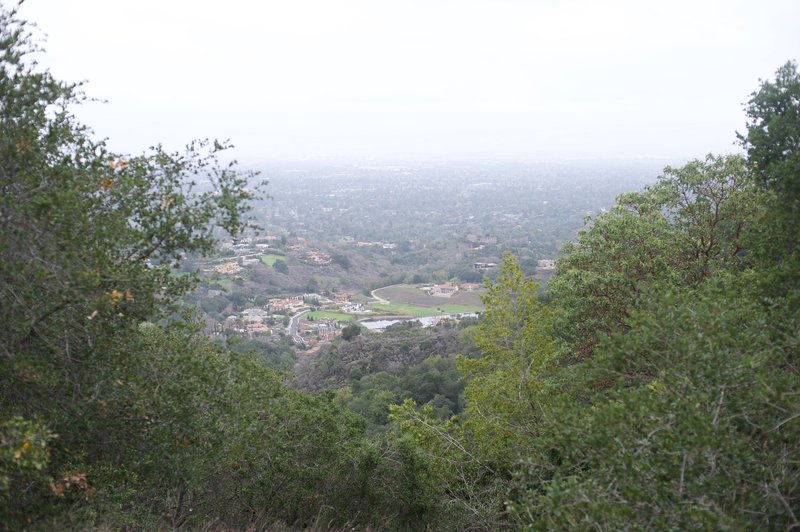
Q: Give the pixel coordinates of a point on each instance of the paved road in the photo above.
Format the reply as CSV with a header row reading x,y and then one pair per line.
x,y
292,328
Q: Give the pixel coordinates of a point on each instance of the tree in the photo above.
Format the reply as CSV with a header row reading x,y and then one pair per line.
x,y
773,135
88,243
773,148
506,385
694,222
351,331
312,286
101,231
342,260
280,266
506,401
685,415
687,421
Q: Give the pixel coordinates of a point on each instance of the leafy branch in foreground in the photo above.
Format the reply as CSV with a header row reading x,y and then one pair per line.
x,y
88,240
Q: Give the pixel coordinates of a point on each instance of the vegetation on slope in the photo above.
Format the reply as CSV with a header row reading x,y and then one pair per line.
x,y
666,393
114,412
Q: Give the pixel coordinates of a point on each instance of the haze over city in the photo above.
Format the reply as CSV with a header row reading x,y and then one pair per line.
x,y
472,79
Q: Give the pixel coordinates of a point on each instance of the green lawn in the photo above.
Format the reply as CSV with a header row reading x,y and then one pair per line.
x,y
224,283
269,260
409,310
341,316
460,309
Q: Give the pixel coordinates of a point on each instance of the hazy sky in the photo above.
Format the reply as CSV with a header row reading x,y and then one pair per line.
x,y
537,79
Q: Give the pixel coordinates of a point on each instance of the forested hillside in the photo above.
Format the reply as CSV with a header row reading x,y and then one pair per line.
x,y
392,352
654,386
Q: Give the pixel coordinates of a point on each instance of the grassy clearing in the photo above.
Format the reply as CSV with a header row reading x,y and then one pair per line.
x,y
224,283
460,309
341,316
270,260
409,310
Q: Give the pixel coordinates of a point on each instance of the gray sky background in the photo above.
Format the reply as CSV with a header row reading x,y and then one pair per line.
x,y
466,79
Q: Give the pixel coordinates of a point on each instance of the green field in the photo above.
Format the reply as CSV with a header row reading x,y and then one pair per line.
x,y
223,283
460,309
269,260
341,316
405,310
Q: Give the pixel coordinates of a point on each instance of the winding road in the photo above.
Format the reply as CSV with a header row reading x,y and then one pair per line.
x,y
292,328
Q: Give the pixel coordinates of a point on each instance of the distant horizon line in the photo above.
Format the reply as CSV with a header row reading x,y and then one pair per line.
x,y
405,160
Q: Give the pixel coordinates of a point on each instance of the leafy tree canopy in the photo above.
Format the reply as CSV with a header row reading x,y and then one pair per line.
x,y
693,222
773,134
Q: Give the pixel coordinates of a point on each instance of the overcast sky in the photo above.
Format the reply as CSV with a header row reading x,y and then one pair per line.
x,y
365,79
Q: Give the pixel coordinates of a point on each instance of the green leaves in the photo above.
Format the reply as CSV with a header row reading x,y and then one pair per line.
x,y
24,457
696,221
773,148
506,384
683,425
684,414
79,221
773,134
350,332
506,400
87,242
23,449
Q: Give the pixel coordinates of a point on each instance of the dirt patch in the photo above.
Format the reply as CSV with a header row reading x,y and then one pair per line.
x,y
412,295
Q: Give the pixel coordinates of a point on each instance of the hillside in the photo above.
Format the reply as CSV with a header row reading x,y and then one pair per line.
x,y
338,364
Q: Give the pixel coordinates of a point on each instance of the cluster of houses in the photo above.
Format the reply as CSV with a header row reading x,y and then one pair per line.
x,y
319,330
543,264
254,321
270,320
448,289
227,268
442,290
246,252
316,257
247,245
310,255
324,328
490,240
259,322
383,245
354,308
291,303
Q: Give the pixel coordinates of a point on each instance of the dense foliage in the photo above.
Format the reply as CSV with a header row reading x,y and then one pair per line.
x,y
394,352
666,393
